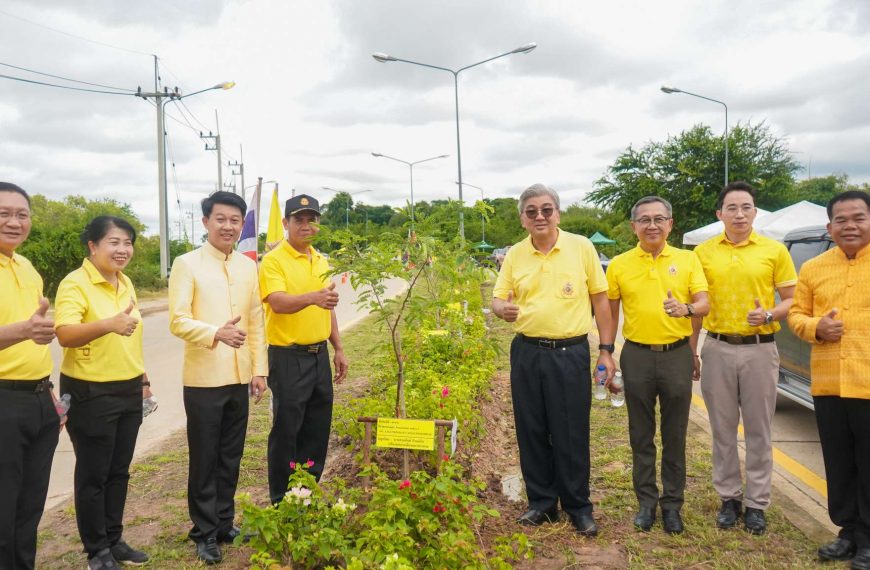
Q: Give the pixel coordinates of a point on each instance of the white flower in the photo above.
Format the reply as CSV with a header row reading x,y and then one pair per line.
x,y
301,493
343,507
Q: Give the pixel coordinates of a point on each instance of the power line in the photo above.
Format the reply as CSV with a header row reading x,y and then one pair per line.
x,y
63,86
64,78
82,38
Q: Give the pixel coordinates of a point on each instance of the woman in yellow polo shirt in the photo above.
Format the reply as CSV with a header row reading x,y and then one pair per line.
x,y
98,325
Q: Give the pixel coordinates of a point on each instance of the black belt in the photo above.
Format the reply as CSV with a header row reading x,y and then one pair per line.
x,y
550,343
306,348
26,385
660,347
737,339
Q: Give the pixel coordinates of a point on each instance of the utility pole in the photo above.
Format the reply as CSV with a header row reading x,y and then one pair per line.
x,y
192,228
240,164
216,140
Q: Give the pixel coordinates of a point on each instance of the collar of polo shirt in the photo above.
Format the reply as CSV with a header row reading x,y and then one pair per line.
x,y
753,238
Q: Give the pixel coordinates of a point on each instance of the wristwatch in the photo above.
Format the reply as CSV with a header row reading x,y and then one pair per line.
x,y
768,317
690,311
608,347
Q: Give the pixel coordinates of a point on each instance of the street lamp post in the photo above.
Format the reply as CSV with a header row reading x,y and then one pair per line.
x,y
482,216
347,204
161,99
669,89
383,58
411,168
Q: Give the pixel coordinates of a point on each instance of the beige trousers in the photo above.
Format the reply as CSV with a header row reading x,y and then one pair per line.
x,y
741,380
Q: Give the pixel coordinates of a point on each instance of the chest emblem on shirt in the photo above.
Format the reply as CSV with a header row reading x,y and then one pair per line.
x,y
672,269
568,289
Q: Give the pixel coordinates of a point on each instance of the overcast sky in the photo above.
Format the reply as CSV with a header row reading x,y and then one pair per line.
x,y
311,104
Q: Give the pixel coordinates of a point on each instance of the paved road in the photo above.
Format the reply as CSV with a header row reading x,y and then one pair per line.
x,y
163,360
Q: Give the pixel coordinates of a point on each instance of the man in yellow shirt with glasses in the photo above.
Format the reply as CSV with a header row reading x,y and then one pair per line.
x,y
741,363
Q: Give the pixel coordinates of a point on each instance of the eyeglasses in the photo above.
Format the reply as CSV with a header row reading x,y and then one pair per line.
x,y
659,221
733,209
532,213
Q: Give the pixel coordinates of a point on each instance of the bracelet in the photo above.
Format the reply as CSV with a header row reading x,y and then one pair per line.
x,y
146,384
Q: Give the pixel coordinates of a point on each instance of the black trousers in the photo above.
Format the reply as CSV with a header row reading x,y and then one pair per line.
x,y
844,431
29,429
104,420
666,377
552,398
301,384
217,419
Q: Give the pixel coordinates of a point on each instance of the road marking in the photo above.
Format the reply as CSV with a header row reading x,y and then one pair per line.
x,y
781,458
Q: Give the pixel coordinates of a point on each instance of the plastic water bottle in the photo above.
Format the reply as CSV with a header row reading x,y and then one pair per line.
x,y
149,405
600,379
62,405
617,399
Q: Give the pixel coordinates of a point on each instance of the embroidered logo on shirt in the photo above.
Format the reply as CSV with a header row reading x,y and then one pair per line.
x,y
568,289
672,269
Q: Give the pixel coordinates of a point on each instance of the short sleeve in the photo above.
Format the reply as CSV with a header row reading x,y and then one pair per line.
x,y
697,279
272,279
70,304
596,282
784,274
612,276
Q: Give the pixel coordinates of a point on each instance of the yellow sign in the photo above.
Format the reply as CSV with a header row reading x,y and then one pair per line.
x,y
406,434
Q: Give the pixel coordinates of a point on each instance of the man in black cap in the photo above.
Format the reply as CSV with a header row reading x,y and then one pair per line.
x,y
299,301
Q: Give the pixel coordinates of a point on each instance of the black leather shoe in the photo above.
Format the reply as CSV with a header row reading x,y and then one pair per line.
x,y
208,551
231,535
754,521
584,525
729,514
840,549
533,517
861,560
672,521
645,518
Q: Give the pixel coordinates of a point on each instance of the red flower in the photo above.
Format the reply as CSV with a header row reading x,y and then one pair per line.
x,y
438,508
445,457
445,391
404,484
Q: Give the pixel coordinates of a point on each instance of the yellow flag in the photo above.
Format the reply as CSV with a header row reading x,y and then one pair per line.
x,y
275,230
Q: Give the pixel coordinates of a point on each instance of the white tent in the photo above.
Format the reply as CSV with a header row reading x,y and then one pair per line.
x,y
704,233
771,224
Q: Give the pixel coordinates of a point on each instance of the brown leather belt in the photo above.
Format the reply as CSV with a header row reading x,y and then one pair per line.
x,y
660,347
737,339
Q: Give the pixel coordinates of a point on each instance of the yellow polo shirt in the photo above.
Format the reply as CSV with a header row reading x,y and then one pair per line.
x,y
552,289
20,292
84,296
828,281
739,273
207,288
642,283
286,270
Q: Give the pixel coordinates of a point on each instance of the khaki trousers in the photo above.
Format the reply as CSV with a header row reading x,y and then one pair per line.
x,y
741,380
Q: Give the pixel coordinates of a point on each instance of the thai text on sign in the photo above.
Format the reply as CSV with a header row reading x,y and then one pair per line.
x,y
406,434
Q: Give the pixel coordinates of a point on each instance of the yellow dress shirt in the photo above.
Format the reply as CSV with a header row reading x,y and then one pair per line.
x,y
552,289
20,292
84,296
286,270
206,289
642,283
740,273
830,281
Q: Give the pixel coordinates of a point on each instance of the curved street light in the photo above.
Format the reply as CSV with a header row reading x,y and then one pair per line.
x,y
411,167
347,204
670,89
384,58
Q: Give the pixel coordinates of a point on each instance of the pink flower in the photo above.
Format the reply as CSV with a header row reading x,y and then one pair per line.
x,y
309,464
404,484
445,391
292,465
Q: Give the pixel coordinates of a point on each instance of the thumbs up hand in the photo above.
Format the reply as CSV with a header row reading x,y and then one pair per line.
x,y
673,307
230,334
829,329
757,316
510,311
124,323
326,298
39,328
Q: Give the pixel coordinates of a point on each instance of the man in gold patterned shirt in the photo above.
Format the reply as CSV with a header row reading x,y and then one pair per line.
x,y
832,311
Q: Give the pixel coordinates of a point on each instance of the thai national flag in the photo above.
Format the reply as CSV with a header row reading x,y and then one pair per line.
x,y
248,238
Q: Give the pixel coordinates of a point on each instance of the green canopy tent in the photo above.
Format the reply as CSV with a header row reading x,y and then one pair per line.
x,y
599,239
483,246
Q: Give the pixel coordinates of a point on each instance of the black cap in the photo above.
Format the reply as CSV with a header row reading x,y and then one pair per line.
x,y
301,203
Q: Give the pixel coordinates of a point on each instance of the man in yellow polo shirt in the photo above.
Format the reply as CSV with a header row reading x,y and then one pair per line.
x,y
29,425
831,311
546,286
215,307
299,303
661,288
741,363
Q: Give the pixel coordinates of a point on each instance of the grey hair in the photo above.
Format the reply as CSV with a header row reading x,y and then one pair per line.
x,y
652,200
534,191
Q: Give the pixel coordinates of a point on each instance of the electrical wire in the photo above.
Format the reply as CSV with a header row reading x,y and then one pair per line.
x,y
3,76
65,78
